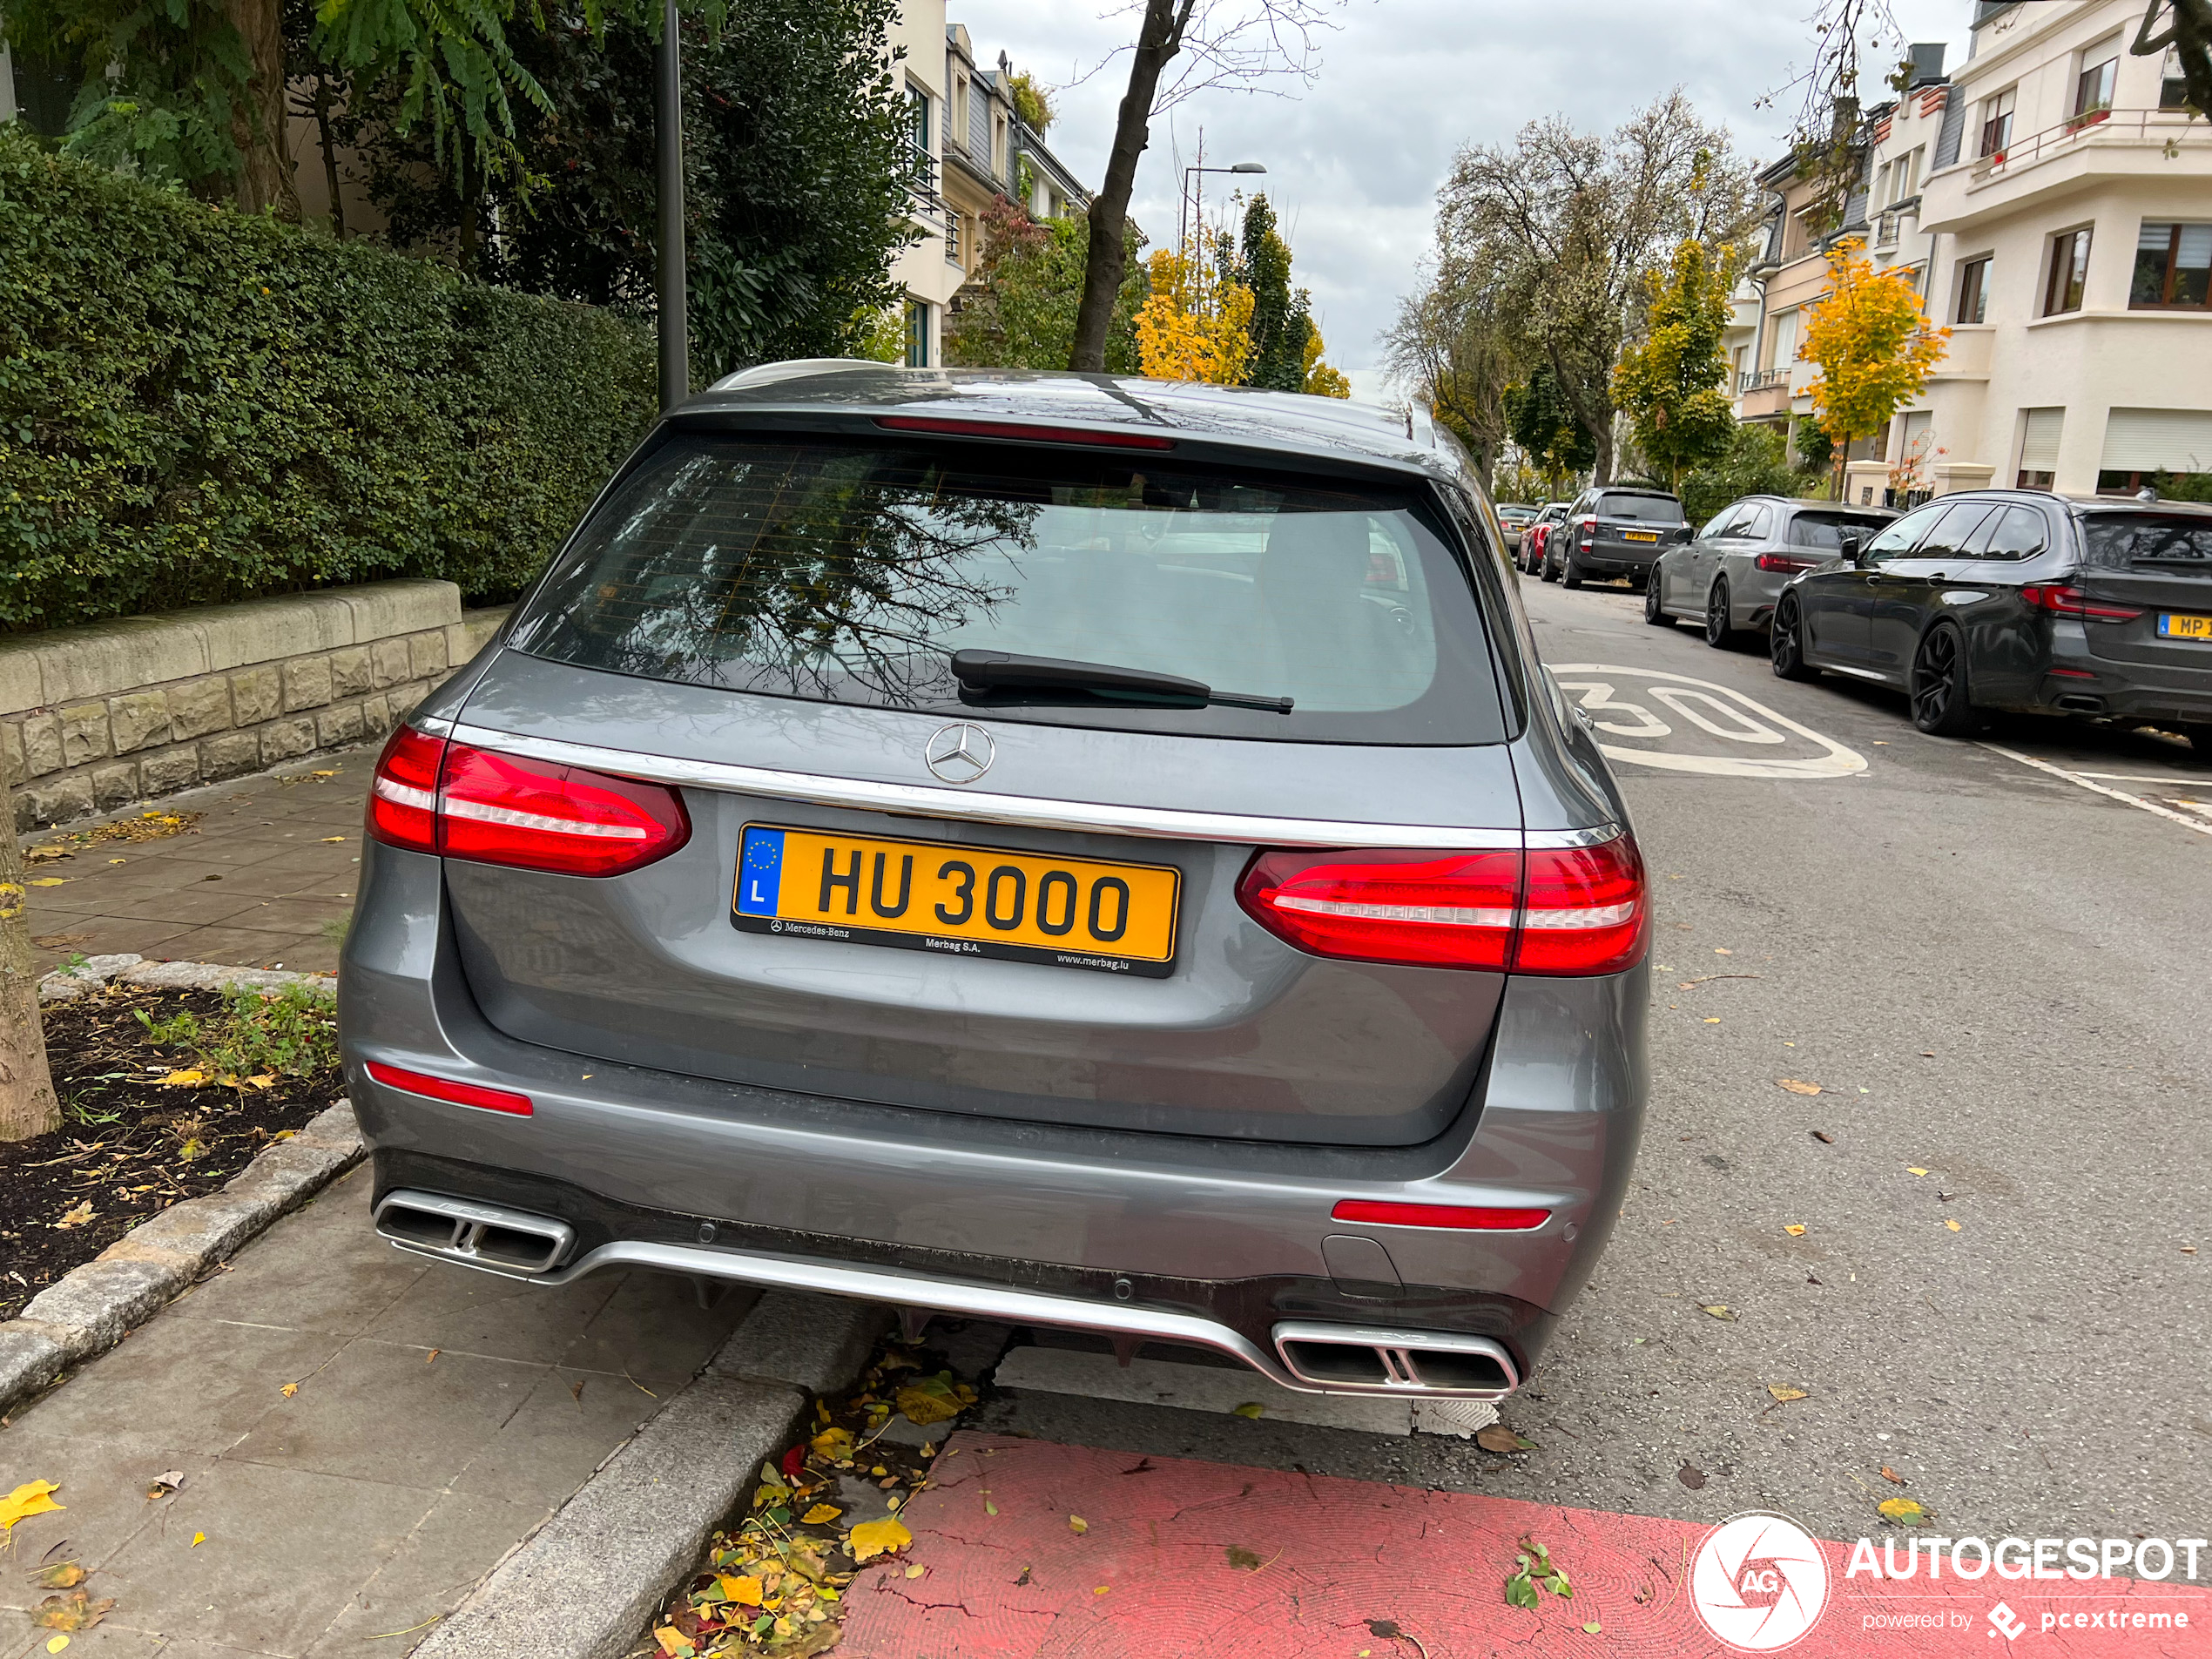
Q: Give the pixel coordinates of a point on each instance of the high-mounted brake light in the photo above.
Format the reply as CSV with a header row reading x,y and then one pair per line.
x,y
1022,432
416,1083
1468,1217
2062,600
430,795
1551,911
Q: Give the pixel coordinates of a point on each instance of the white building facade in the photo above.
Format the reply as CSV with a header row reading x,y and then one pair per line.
x,y
2062,223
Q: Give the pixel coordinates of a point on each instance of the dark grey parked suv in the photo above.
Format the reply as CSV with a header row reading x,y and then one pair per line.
x,y
1079,852
1615,530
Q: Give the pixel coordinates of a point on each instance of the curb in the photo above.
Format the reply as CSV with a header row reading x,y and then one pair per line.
x,y
587,1583
66,984
92,1308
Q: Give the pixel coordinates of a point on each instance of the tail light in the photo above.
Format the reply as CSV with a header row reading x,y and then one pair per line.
x,y
1576,911
2062,600
416,1083
1467,1218
1784,562
431,795
1589,529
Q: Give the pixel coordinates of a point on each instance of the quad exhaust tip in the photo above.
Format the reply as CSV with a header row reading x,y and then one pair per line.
x,y
1325,1359
478,1234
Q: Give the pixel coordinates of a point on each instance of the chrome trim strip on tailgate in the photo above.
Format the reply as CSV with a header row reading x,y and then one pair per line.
x,y
1027,811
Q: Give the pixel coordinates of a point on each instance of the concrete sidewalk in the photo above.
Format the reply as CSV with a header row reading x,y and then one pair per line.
x,y
440,1416
265,877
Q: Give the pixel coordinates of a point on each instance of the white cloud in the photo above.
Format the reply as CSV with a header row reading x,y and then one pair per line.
x,y
1355,161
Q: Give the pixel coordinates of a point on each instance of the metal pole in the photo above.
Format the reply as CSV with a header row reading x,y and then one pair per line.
x,y
668,276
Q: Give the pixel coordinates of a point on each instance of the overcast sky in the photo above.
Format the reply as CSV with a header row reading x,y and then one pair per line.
x,y
1355,160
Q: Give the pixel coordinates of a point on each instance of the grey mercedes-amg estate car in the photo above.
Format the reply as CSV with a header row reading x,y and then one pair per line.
x,y
1076,852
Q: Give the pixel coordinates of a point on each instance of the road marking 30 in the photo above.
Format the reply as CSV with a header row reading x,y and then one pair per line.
x,y
1714,709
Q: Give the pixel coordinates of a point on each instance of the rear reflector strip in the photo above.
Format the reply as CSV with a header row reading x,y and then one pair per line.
x,y
1464,1217
415,1082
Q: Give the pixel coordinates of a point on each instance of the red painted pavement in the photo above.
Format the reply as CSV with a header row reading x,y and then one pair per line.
x,y
1338,1554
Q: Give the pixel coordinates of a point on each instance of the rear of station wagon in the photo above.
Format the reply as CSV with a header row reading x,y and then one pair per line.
x,y
1081,853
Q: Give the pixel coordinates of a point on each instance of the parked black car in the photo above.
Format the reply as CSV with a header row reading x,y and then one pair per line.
x,y
1613,530
2019,600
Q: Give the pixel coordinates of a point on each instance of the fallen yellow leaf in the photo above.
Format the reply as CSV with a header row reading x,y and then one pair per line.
x,y
291,1389
1718,1310
30,1499
1798,1086
1909,1169
873,1538
1953,1225
833,1443
75,1611
191,1078
332,840
672,1642
916,1570
1900,1509
921,1408
77,1217
1783,1393
820,1513
197,1539
63,1575
1795,1230
745,1591
1712,1022
1101,1589
55,1644
1251,1409
1077,1524
48,882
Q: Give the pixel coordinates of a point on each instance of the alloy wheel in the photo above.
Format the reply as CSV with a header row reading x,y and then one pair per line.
x,y
1786,645
1938,686
1718,634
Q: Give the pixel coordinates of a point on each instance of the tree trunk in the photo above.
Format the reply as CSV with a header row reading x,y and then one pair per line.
x,y
1157,42
27,1103
258,121
329,158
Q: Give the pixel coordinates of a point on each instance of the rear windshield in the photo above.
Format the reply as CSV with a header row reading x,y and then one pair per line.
x,y
1826,530
851,575
2166,543
1644,510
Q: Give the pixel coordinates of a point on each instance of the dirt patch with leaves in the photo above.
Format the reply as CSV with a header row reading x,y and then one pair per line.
x,y
773,1583
165,1094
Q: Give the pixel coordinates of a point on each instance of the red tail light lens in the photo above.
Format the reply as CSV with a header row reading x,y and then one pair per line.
x,y
2060,600
454,798
1430,909
416,1083
1584,911
1562,912
403,796
1783,562
1466,1218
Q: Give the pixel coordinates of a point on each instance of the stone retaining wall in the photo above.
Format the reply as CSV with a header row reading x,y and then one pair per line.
x,y
94,719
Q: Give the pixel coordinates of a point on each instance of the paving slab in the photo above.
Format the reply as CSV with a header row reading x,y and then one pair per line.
x,y
266,876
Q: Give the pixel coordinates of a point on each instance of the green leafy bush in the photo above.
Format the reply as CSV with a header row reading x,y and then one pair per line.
x,y
292,1033
198,406
1757,463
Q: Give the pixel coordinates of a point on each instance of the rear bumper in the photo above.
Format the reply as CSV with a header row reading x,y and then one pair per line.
x,y
2103,686
1619,558
1117,1231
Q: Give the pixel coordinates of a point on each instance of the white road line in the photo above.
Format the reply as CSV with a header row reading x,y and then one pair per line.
x,y
2081,782
2147,778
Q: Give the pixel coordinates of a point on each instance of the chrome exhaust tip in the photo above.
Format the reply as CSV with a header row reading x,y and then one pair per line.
x,y
474,1235
1362,1360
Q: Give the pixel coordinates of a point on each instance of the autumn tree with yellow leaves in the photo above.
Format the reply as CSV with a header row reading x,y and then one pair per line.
x,y
1197,322
1870,337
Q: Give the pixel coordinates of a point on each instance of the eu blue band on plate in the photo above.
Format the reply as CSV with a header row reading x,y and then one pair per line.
x,y
760,872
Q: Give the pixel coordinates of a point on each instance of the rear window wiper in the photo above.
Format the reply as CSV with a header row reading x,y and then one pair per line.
x,y
986,671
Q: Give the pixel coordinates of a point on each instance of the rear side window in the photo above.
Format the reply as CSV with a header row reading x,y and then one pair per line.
x,y
2161,543
1644,510
2016,533
850,574
1824,532
1957,530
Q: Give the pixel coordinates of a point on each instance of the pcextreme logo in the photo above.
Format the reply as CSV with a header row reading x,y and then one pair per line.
x,y
1759,1583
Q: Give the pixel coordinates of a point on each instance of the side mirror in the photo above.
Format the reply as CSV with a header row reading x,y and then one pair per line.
x,y
1853,545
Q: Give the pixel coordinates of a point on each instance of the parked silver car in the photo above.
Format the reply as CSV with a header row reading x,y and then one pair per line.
x,y
1730,575
1074,852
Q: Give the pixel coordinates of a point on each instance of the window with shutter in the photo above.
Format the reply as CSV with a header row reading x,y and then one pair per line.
x,y
2039,447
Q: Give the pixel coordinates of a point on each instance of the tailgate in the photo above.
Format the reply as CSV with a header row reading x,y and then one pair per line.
x,y
2158,565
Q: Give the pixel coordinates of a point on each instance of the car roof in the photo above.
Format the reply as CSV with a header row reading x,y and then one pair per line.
x,y
1634,489
1289,422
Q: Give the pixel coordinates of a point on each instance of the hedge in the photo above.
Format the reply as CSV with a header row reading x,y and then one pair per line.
x,y
197,406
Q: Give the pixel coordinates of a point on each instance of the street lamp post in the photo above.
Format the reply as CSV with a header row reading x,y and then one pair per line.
x,y
668,272
1183,224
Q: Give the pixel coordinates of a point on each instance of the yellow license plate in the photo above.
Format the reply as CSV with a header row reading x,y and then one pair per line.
x,y
1640,535
2174,627
958,901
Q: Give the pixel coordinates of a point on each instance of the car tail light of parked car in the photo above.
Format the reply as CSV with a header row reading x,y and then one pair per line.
x,y
416,1083
1589,529
1462,1218
459,801
1568,912
1786,562
2062,600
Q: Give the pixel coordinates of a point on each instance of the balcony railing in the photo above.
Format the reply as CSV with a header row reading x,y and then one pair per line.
x,y
1758,380
2166,127
1885,231
921,173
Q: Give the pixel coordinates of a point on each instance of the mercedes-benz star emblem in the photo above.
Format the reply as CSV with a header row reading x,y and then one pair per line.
x,y
959,754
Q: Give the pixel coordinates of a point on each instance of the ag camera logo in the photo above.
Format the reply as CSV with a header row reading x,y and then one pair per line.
x,y
1759,1583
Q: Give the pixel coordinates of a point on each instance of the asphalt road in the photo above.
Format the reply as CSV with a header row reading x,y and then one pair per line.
x,y
1996,976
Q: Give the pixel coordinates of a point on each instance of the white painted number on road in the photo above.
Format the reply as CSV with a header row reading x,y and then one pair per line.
x,y
1714,709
